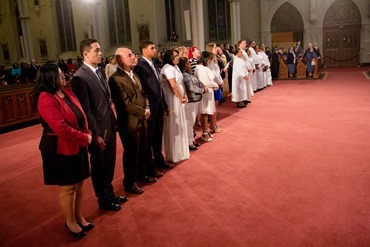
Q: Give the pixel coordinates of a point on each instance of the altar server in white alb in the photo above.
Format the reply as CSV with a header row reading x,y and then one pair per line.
x,y
259,66
252,44
240,77
267,79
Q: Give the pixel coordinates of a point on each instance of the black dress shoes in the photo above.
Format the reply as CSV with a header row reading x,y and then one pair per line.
x,y
110,206
86,228
80,234
196,144
156,174
146,179
165,165
193,147
134,189
119,199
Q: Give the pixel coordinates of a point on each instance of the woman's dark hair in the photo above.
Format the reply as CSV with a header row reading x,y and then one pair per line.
x,y
204,57
182,62
169,56
47,80
237,50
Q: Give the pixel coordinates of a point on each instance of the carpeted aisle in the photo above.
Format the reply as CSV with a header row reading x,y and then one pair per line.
x,y
291,169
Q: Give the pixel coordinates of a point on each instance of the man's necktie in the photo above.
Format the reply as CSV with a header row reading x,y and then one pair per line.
x,y
102,81
155,71
131,74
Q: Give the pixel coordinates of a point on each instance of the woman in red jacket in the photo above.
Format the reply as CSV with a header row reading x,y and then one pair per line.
x,y
63,144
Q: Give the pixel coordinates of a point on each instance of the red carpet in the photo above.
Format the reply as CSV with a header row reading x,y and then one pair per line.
x,y
291,169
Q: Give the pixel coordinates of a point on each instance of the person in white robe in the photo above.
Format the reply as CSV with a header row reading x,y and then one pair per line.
x,y
253,55
252,74
267,79
242,44
259,68
240,77
250,67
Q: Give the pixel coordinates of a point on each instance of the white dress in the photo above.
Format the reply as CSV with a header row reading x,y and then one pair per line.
x,y
267,79
239,84
175,140
207,78
254,59
250,92
259,70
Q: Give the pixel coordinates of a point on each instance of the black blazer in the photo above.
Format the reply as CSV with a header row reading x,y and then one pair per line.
x,y
152,87
95,101
290,58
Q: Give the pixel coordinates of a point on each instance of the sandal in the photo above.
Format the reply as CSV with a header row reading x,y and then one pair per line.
x,y
206,137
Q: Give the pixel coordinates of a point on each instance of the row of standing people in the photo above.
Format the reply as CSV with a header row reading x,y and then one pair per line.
x,y
85,120
150,104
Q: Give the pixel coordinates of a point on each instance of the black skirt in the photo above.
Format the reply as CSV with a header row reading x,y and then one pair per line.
x,y
62,169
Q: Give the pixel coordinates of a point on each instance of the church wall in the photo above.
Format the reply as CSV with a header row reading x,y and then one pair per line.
x,y
313,13
255,24
42,28
250,22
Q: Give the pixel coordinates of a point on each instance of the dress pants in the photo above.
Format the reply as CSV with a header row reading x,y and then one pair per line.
x,y
134,148
155,138
102,168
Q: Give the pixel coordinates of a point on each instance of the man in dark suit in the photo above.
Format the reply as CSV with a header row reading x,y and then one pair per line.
x,y
148,73
132,106
91,88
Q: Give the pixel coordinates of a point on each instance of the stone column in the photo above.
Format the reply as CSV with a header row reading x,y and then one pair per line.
x,y
313,11
98,24
26,29
266,38
235,21
197,23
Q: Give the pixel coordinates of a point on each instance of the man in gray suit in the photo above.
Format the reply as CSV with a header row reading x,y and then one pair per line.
x,y
91,88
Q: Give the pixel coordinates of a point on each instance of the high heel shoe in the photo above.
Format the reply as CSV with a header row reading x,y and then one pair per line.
x,y
86,228
206,137
80,234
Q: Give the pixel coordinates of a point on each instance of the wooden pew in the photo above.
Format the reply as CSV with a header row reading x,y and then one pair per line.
x,y
301,69
17,104
283,69
318,67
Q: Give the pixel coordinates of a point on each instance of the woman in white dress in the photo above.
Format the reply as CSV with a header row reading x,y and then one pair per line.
x,y
213,66
207,105
240,77
175,140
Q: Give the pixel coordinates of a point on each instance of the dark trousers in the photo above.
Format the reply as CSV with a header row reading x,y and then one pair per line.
x,y
102,168
134,147
155,135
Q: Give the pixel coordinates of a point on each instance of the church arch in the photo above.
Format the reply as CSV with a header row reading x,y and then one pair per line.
x,y
286,26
